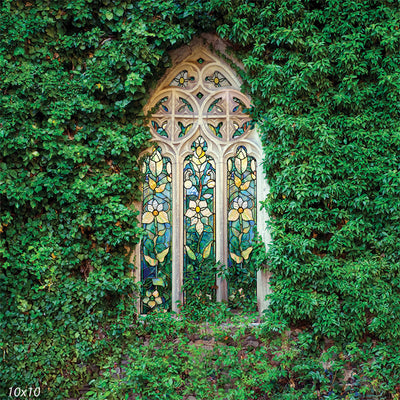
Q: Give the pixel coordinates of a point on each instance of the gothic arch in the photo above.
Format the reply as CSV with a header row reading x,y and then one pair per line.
x,y
199,114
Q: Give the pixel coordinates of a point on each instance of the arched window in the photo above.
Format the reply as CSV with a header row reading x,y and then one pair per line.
x,y
201,188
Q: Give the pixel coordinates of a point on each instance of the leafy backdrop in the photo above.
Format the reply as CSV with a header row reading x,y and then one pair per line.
x,y
324,77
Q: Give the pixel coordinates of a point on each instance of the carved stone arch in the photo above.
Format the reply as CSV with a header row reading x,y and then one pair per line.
x,y
167,150
173,76
199,103
252,149
184,148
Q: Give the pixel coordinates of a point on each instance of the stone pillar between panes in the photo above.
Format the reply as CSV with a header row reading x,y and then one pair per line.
x,y
221,227
177,235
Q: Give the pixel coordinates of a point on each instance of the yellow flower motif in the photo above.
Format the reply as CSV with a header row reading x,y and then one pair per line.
x,y
153,186
156,162
239,183
240,209
218,79
152,299
169,171
199,159
197,209
155,211
182,79
241,160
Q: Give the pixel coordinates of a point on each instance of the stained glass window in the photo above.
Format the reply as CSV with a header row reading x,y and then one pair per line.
x,y
241,221
156,244
199,184
200,201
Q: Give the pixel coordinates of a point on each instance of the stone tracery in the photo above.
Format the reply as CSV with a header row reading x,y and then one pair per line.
x,y
199,118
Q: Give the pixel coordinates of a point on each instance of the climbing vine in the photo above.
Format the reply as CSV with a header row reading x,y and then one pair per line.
x,y
324,79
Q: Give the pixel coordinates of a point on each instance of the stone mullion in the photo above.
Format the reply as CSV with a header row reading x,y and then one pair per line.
x,y
221,231
176,256
177,233
174,135
227,119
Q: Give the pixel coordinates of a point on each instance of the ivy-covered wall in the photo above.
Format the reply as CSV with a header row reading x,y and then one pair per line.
x,y
324,77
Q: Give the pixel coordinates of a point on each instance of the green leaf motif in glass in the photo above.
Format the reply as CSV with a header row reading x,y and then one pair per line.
x,y
186,104
239,104
216,130
239,130
184,129
241,218
160,104
160,129
214,104
199,207
156,243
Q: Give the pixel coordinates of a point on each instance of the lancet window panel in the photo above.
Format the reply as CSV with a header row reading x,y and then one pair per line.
x,y
242,216
199,207
156,244
200,191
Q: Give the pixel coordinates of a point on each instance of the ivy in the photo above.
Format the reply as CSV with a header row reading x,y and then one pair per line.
x,y
324,80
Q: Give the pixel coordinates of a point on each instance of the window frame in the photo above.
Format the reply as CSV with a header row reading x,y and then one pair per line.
x,y
177,150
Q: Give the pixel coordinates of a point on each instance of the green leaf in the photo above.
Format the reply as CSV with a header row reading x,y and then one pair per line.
x,y
207,250
119,12
19,51
190,253
150,260
161,256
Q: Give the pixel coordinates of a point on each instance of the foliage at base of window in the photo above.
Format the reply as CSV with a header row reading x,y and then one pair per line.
x,y
199,288
171,358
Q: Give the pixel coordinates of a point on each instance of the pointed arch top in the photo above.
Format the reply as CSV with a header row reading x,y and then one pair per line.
x,y
200,95
190,66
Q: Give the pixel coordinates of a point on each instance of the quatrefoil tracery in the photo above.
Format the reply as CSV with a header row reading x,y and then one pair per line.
x,y
200,98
